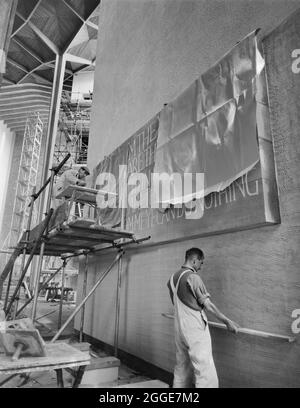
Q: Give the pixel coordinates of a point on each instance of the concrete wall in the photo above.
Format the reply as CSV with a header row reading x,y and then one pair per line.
x,y
10,192
83,83
148,53
151,50
11,185
7,139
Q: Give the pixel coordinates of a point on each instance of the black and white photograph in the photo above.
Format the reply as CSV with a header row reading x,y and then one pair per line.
x,y
149,197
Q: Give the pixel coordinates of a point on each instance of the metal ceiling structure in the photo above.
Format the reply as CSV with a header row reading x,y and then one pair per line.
x,y
18,102
42,30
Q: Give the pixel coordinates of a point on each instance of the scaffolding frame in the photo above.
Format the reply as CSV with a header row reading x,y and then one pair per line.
x,y
26,180
73,129
40,246
22,214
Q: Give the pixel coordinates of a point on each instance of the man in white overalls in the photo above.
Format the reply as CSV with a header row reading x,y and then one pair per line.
x,y
69,177
194,360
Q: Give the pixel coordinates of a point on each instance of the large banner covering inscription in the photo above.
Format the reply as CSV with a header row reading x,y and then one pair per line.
x,y
217,127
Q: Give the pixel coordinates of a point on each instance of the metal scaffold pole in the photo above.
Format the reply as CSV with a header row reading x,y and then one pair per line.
x,y
32,253
83,302
42,287
61,295
117,320
42,249
27,235
25,182
53,121
84,285
120,270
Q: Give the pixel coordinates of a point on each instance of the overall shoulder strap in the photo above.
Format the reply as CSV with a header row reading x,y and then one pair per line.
x,y
178,281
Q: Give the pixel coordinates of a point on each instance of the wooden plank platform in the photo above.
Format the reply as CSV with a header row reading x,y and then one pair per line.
x,y
58,355
75,236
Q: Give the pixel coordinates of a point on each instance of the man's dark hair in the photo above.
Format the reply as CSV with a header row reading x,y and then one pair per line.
x,y
85,169
190,253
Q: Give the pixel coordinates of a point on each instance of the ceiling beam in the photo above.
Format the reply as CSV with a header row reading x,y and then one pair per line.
x,y
17,123
21,124
17,65
50,64
27,73
69,77
18,128
36,75
43,116
11,94
22,99
8,81
24,111
42,111
79,16
9,115
91,24
28,50
67,70
67,46
40,104
25,87
78,70
83,69
50,44
34,106
23,117
28,18
79,60
32,72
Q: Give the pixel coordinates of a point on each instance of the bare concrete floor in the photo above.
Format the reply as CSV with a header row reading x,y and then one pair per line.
x,y
47,379
47,319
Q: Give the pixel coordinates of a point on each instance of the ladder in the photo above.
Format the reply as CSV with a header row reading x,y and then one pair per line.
x,y
26,180
73,129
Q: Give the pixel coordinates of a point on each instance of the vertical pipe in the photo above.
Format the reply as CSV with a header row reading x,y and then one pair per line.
x,y
27,235
8,287
44,285
116,341
82,303
32,253
58,79
42,250
83,296
53,121
61,295
37,281
119,283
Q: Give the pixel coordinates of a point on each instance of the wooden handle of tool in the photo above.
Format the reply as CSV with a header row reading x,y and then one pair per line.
x,y
17,353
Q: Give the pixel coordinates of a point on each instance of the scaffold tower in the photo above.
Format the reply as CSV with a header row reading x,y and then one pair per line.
x,y
73,128
26,180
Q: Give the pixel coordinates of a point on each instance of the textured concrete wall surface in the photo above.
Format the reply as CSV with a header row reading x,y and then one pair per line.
x,y
7,139
148,53
12,179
